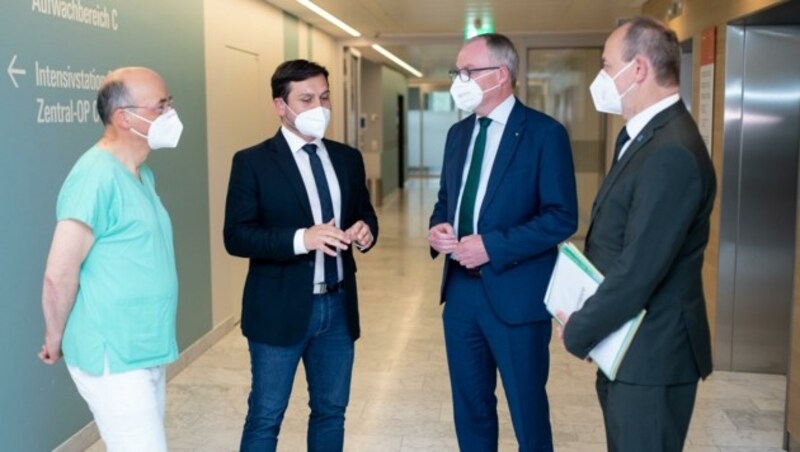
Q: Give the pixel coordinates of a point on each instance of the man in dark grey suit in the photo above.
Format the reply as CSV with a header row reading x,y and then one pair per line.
x,y
649,229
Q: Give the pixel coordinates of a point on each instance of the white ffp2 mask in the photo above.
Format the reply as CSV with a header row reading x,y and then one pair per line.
x,y
604,92
165,131
468,95
312,122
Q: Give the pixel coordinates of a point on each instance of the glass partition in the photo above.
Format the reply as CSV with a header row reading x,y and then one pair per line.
x,y
431,113
558,84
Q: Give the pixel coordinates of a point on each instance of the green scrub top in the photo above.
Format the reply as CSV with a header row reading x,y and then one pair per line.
x,y
127,299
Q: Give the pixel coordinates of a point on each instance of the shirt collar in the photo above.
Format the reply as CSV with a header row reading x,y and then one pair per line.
x,y
638,122
295,142
501,112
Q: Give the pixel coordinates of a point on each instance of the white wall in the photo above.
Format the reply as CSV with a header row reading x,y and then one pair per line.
x,y
244,43
372,109
327,52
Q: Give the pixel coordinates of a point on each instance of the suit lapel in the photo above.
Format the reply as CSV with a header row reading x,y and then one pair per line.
x,y
505,152
638,142
340,168
643,137
457,171
285,161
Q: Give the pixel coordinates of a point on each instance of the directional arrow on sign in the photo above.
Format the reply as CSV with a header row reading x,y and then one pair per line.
x,y
12,71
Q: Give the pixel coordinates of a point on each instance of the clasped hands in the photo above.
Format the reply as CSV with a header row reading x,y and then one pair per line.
x,y
329,239
469,251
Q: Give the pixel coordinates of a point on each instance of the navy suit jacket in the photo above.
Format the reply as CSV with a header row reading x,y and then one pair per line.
x,y
530,207
266,204
649,229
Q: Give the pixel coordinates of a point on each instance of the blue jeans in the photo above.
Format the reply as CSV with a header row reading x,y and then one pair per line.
x,y
327,352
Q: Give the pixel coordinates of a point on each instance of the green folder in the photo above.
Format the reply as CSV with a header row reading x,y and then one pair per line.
x,y
573,282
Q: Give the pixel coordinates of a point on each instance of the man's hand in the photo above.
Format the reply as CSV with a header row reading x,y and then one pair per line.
x,y
442,238
51,351
562,323
326,238
470,251
360,234
563,319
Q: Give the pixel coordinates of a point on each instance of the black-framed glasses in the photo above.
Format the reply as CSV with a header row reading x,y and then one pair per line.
x,y
161,107
466,74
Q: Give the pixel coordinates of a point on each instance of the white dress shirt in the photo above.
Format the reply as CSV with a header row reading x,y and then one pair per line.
x,y
303,161
494,133
636,124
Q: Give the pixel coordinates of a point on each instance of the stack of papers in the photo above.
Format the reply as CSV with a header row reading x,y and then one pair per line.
x,y
574,280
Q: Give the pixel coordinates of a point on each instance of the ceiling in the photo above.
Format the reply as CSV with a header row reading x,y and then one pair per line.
x,y
428,33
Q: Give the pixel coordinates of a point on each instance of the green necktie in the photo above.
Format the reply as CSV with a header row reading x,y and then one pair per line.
x,y
466,215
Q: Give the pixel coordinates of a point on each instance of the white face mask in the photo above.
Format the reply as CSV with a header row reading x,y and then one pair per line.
x,y
604,92
313,122
165,131
468,95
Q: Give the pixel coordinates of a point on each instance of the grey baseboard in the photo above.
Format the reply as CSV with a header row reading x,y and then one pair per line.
x,y
791,443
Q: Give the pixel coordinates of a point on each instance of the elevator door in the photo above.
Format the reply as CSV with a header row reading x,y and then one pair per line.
x,y
759,198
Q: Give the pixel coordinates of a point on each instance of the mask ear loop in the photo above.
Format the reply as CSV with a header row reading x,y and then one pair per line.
x,y
475,79
632,85
624,69
630,88
136,132
140,117
294,126
492,88
289,108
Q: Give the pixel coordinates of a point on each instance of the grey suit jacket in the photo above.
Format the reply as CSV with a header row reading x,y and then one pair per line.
x,y
649,229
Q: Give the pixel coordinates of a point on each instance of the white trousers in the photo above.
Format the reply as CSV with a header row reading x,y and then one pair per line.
x,y
128,407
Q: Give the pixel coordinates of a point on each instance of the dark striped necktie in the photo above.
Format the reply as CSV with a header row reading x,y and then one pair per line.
x,y
331,270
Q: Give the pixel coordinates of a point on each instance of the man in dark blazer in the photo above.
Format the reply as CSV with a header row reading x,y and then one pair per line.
x,y
297,204
507,198
649,228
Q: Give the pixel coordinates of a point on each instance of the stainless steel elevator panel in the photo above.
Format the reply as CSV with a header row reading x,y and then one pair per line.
x,y
759,183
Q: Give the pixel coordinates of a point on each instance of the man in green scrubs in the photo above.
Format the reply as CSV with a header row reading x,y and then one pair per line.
x,y
110,287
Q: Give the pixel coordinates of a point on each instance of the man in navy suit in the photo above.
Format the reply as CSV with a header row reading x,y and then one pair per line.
x,y
507,198
648,234
296,205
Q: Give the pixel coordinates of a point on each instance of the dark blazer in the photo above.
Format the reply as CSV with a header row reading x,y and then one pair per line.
x,y
648,232
267,202
530,206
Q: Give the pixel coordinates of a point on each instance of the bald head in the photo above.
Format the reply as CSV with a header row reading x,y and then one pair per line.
x,y
652,39
501,52
125,87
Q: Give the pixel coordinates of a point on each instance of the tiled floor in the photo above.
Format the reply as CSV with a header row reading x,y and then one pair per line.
x,y
400,394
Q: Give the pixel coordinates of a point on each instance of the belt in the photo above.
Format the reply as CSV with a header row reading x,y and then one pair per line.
x,y
471,272
321,288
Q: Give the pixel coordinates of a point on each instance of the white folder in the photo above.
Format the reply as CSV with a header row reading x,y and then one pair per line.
x,y
574,280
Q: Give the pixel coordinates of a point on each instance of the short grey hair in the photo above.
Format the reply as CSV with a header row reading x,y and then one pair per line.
x,y
651,38
501,52
112,96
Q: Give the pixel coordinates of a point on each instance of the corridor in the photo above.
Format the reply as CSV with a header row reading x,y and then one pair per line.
x,y
400,397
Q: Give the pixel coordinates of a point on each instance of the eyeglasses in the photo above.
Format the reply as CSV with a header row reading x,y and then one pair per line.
x,y
161,107
466,74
